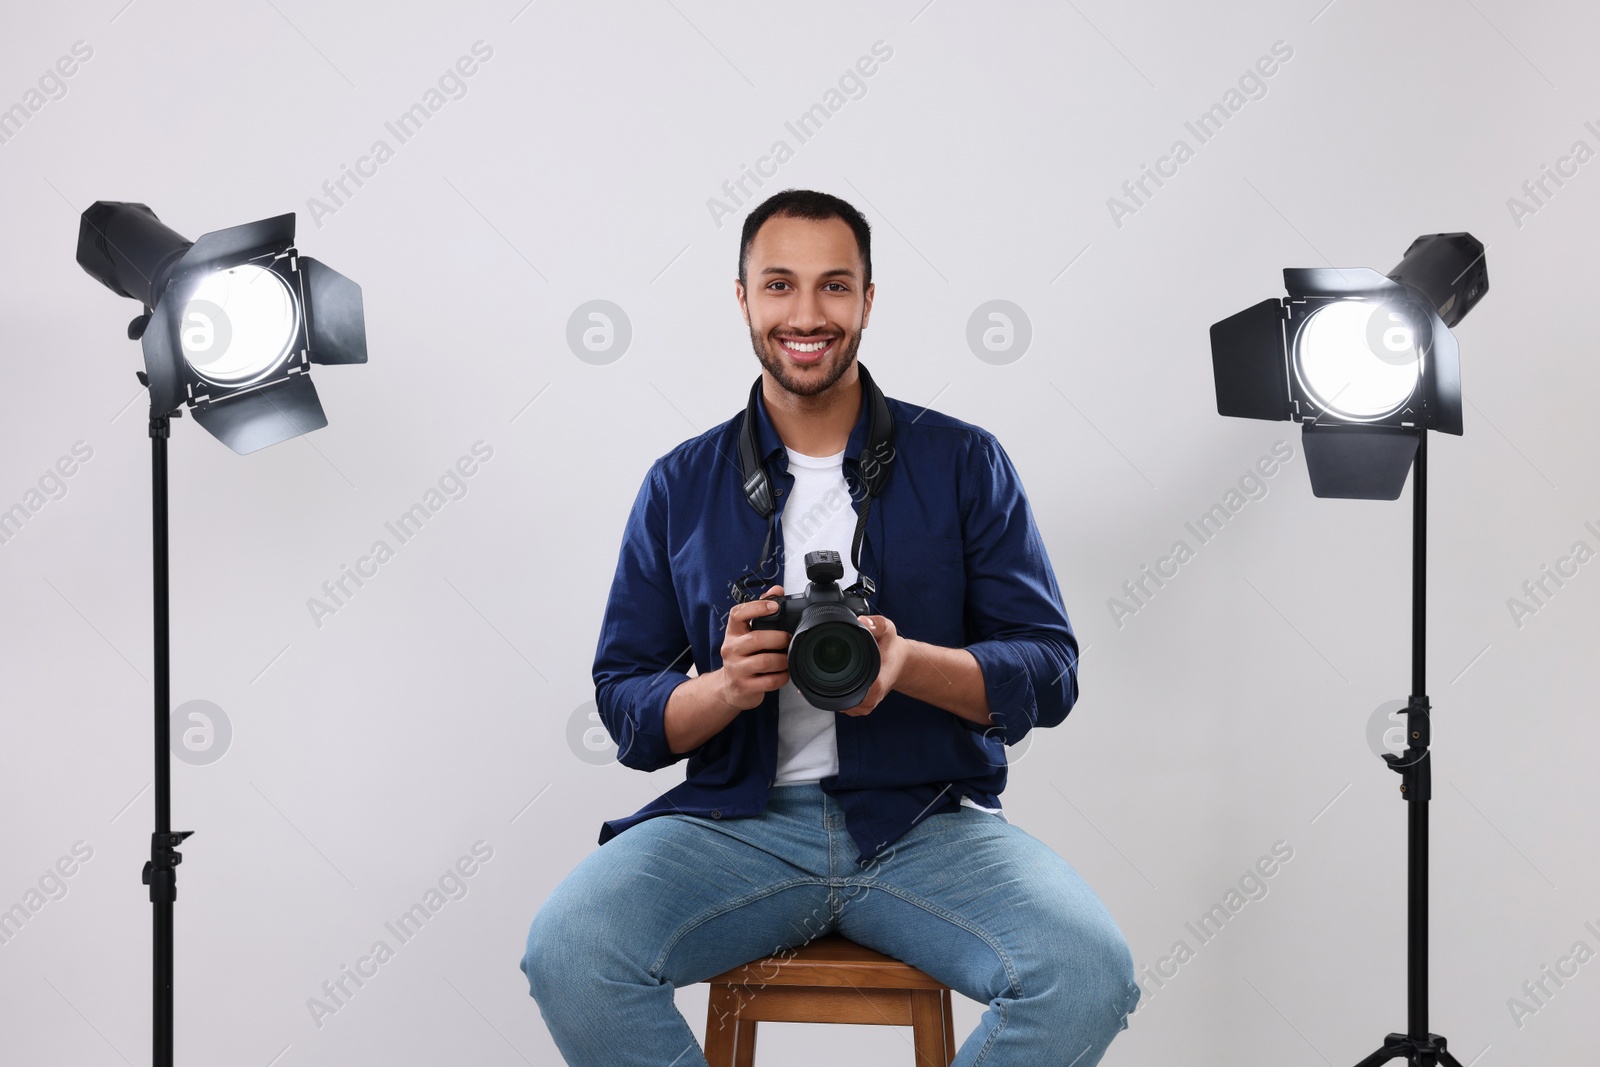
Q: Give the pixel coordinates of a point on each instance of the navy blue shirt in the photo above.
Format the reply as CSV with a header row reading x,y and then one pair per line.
x,y
955,553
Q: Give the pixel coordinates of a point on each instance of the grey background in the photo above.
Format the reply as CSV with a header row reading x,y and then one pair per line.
x,y
432,710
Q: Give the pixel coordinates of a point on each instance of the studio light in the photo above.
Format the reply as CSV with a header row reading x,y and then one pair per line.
x,y
1367,365
231,325
1363,361
232,322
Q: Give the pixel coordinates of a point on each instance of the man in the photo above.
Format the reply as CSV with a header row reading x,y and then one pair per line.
x,y
881,822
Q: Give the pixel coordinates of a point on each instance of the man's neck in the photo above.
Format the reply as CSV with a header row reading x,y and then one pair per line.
x,y
814,425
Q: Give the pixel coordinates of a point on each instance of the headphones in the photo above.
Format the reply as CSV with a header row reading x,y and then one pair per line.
x,y
874,461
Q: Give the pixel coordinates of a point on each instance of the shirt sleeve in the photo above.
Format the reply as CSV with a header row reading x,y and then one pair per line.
x,y
642,638
1016,624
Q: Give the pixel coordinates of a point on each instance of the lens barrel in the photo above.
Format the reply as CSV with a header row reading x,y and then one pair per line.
x,y
833,657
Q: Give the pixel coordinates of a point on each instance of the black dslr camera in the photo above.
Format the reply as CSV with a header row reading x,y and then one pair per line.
x,y
833,657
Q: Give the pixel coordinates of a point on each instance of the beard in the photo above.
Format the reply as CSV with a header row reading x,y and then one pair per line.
x,y
769,353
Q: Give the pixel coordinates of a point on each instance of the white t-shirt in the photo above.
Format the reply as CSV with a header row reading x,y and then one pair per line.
x,y
819,515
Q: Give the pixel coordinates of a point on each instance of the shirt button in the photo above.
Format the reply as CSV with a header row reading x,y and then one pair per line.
x,y
716,814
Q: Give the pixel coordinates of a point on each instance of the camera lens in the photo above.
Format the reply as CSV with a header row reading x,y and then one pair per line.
x,y
833,659
832,655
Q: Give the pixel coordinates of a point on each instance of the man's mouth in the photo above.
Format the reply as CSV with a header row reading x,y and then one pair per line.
x,y
807,349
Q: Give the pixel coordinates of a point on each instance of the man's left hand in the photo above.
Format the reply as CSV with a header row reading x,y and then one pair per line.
x,y
892,653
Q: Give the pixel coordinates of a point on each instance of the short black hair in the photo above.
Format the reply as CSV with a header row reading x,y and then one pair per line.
x,y
807,204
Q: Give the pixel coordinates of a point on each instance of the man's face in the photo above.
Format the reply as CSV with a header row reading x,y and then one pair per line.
x,y
806,304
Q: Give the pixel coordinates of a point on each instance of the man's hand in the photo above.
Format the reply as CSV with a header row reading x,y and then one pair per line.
x,y
947,678
892,652
754,662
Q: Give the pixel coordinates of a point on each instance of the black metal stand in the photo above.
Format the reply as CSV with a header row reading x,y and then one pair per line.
x,y
1416,1046
160,874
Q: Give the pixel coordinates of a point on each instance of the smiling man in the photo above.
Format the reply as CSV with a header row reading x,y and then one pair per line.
x,y
883,821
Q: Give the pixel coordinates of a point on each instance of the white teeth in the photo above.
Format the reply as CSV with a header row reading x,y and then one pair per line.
x,y
816,346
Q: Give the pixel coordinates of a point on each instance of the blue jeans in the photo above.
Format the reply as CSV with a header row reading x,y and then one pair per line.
x,y
972,900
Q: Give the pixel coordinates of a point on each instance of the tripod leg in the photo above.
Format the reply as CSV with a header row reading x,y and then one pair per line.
x,y
1448,1060
1391,1050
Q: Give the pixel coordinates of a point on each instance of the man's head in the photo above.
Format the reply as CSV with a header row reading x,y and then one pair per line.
x,y
805,279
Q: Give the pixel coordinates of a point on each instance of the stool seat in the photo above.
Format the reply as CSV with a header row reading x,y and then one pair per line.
x,y
828,980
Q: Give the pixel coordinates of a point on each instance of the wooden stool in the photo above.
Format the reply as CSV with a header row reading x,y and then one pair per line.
x,y
829,980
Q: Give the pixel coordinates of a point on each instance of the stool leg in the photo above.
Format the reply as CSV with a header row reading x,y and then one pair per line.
x,y
744,1043
927,1028
949,1030
722,1025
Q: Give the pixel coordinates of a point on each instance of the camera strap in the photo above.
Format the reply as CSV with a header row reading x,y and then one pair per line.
x,y
874,464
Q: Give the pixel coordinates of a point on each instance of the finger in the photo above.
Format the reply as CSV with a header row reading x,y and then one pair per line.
x,y
766,663
740,615
769,682
757,641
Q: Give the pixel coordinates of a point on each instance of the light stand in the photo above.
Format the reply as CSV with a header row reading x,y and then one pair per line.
x,y
1367,365
231,326
1417,1046
160,872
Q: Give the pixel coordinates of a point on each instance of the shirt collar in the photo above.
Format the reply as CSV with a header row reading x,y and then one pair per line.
x,y
768,442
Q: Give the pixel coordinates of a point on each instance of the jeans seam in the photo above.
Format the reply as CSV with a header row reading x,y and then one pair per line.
x,y
952,917
721,909
1005,960
994,1035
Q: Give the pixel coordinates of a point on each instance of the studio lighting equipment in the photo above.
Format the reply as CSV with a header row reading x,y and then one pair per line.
x,y
1362,361
1366,364
231,325
232,322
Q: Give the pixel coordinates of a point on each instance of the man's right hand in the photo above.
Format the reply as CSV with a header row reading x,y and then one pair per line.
x,y
754,662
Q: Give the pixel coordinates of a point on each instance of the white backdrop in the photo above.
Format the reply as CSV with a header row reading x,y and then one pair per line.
x,y
440,706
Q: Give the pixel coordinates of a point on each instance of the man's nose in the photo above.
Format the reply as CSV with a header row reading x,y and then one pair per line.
x,y
805,313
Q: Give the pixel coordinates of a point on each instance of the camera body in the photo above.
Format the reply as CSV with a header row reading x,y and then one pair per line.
x,y
833,657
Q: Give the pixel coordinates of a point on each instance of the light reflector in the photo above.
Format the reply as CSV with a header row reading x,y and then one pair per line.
x,y
1358,359
239,325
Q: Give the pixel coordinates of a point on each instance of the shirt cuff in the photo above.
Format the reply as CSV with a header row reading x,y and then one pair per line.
x,y
1008,687
641,714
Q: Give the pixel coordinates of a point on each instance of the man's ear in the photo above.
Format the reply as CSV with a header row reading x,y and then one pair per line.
x,y
738,292
866,310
